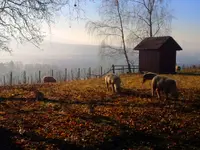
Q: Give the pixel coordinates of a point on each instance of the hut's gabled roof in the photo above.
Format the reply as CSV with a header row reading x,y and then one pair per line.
x,y
156,43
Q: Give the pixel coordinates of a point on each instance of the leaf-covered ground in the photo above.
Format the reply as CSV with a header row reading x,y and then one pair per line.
x,y
131,120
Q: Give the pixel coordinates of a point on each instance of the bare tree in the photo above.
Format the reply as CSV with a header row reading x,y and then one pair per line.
x,y
128,22
151,17
21,20
112,27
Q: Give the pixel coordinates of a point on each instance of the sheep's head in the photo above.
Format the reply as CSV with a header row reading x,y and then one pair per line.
x,y
174,90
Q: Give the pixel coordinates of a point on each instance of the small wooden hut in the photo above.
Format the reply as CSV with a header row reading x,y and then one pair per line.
x,y
158,54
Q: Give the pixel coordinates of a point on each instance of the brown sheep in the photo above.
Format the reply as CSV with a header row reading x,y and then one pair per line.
x,y
47,79
148,76
38,95
164,84
114,81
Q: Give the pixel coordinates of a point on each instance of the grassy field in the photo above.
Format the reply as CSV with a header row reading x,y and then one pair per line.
x,y
131,120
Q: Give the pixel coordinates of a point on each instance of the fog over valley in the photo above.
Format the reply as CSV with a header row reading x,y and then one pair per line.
x,y
69,56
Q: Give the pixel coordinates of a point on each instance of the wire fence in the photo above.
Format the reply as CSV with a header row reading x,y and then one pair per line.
x,y
12,78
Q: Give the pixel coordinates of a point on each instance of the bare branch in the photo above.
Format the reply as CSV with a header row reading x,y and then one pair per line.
x,y
152,15
22,19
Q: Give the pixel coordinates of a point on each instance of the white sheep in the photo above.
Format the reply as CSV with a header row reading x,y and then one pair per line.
x,y
164,84
114,81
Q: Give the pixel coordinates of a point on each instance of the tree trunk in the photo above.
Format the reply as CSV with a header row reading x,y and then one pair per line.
x,y
151,7
123,40
150,25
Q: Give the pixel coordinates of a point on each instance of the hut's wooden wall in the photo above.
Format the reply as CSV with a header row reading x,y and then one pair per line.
x,y
167,61
149,61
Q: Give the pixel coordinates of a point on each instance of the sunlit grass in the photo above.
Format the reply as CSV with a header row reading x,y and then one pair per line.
x,y
132,119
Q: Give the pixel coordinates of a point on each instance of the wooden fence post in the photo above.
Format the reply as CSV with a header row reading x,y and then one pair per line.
x,y
52,72
72,77
122,69
4,80
39,76
65,74
79,73
31,79
75,73
24,77
89,72
113,68
101,71
85,74
11,78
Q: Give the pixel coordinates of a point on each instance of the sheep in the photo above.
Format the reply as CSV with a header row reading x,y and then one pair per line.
x,y
47,79
148,76
178,68
164,84
38,95
114,81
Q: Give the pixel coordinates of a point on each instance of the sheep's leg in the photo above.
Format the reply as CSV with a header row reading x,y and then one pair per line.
x,y
113,88
152,91
158,93
153,87
166,93
107,86
117,89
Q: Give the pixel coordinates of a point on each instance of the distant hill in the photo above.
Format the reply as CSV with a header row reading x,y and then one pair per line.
x,y
72,55
188,57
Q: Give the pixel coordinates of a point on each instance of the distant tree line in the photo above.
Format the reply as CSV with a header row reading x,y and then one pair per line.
x,y
18,67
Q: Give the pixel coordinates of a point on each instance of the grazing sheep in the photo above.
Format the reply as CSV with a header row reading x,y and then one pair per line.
x,y
47,79
178,68
164,84
148,76
114,81
38,95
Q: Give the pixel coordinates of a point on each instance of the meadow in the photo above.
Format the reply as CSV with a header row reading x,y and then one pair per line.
x,y
130,120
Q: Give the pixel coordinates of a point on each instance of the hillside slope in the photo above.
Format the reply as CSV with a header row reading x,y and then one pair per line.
x,y
131,120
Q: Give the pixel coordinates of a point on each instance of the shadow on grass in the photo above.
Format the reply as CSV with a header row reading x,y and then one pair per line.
x,y
128,138
188,107
58,143
185,106
132,138
152,103
142,93
6,142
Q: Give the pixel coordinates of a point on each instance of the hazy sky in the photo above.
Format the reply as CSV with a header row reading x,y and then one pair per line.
x,y
185,26
185,30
